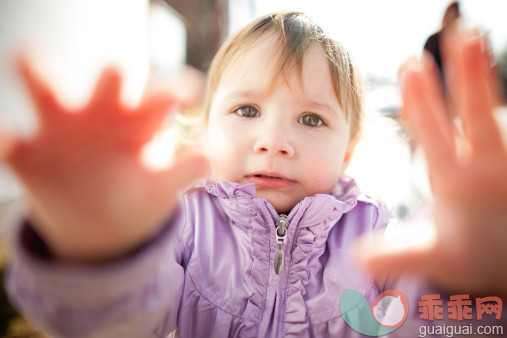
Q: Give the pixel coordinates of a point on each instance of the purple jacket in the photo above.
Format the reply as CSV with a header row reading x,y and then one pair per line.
x,y
210,272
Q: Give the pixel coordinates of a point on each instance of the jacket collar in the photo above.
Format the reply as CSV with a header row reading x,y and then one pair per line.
x,y
239,202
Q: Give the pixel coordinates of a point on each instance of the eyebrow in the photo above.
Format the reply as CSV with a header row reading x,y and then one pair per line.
x,y
318,105
246,93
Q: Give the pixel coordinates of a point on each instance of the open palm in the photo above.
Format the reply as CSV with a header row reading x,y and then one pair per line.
x,y
91,196
468,177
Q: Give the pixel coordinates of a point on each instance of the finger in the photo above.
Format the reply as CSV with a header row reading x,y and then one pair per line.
x,y
45,101
478,121
435,98
492,72
7,144
107,92
144,121
410,64
397,262
495,84
452,50
154,108
438,152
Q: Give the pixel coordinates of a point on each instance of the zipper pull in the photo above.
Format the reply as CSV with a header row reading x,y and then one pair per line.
x,y
281,230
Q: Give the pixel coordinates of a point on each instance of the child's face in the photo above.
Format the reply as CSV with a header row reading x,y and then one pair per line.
x,y
292,141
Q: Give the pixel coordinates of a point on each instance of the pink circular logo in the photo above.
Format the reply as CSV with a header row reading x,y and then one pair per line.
x,y
390,308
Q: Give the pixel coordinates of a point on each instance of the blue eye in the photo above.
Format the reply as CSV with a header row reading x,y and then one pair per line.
x,y
311,120
247,111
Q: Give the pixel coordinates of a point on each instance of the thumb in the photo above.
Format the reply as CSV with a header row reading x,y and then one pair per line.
x,y
400,248
7,143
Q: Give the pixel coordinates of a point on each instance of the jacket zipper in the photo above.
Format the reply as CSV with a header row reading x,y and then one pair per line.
x,y
281,225
281,231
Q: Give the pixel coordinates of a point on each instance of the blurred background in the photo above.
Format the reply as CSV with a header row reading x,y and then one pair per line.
x,y
175,40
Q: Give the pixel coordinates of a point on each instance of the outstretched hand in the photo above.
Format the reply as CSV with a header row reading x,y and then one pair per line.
x,y
91,197
468,176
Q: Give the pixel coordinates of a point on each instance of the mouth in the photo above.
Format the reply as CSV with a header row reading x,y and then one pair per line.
x,y
269,180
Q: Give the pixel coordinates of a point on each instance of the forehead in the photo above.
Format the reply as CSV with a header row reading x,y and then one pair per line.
x,y
254,69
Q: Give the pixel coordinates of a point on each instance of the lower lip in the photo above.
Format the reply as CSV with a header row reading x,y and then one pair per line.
x,y
269,182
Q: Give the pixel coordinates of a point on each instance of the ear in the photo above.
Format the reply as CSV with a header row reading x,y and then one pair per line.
x,y
348,155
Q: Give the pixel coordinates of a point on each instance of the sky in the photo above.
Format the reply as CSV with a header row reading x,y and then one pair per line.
x,y
380,35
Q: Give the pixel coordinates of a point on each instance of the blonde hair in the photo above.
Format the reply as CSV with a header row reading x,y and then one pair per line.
x,y
296,32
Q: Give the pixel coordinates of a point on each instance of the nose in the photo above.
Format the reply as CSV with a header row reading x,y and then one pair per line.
x,y
274,142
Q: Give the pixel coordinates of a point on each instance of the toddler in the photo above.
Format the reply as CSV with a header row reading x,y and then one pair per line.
x,y
260,248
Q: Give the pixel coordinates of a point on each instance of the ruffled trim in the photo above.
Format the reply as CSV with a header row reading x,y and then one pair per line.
x,y
259,274
309,245
225,189
326,208
347,192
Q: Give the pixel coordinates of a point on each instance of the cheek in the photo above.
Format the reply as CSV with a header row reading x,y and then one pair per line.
x,y
225,152
324,161
217,141
323,177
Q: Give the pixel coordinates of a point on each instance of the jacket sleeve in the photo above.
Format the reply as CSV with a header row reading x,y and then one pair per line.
x,y
138,296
